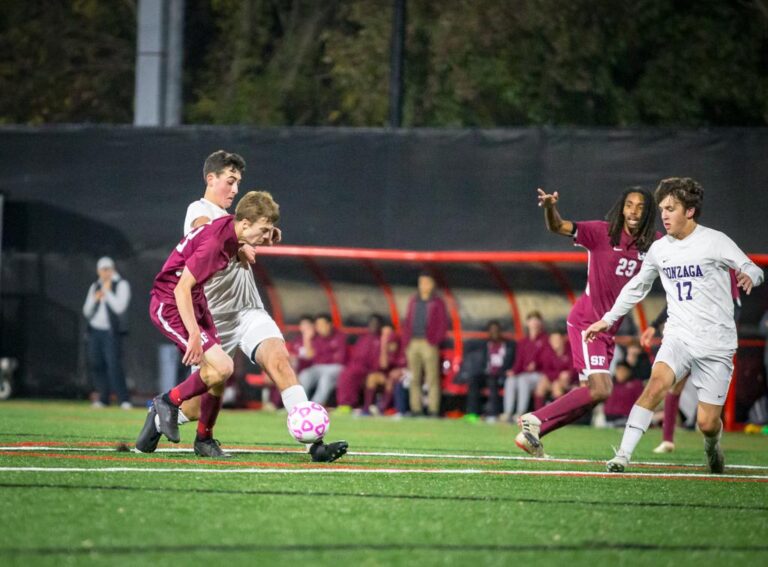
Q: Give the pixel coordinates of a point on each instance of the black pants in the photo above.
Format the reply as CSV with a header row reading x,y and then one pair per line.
x,y
105,365
476,383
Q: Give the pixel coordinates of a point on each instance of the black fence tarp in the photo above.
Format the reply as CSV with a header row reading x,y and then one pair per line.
x,y
76,193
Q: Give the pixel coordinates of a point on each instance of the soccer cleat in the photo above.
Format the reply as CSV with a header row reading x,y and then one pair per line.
x,y
531,424
618,463
665,447
322,453
715,459
149,437
530,445
168,414
210,448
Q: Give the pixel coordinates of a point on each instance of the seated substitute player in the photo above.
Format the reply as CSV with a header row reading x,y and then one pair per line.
x,y
700,335
237,309
616,251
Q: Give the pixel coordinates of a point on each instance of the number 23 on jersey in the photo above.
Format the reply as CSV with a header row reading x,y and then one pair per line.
x,y
626,267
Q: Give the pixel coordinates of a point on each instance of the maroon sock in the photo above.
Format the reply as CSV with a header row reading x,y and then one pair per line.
x,y
671,405
558,422
562,408
368,397
276,398
188,389
209,411
386,399
538,402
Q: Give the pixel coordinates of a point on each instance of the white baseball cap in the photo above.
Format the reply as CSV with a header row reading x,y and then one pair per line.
x,y
105,262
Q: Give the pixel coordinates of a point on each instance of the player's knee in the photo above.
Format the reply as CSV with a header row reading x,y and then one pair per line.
x,y
218,389
601,390
220,372
708,425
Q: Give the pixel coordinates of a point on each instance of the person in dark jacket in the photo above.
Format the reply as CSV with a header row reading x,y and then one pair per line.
x,y
426,324
493,360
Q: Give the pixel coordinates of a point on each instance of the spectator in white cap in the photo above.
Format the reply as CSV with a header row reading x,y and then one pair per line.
x,y
105,308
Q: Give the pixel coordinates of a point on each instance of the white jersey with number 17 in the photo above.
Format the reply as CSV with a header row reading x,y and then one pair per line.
x,y
694,273
233,289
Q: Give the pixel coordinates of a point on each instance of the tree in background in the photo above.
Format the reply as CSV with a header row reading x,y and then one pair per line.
x,y
469,63
487,63
67,61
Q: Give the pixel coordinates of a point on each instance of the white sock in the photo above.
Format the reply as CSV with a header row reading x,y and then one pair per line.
x,y
181,420
637,424
293,395
711,442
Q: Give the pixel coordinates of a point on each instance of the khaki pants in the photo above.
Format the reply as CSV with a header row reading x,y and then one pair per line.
x,y
423,358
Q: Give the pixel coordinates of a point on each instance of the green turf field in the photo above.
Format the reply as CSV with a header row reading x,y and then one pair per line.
x,y
412,492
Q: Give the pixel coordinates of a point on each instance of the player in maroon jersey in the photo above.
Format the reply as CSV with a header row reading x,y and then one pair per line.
x,y
179,309
616,249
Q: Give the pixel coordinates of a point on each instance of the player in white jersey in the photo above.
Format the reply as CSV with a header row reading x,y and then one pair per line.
x,y
700,334
238,312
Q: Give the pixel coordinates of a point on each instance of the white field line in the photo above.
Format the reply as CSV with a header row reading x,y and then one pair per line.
x,y
332,470
382,454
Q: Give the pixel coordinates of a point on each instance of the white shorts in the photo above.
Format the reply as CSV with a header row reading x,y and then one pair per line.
x,y
710,370
246,330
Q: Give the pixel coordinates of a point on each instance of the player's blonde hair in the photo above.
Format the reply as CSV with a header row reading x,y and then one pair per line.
x,y
256,205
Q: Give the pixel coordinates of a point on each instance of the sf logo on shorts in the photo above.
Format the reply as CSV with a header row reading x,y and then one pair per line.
x,y
596,360
204,337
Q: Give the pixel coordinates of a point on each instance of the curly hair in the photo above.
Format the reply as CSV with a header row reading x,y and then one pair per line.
x,y
684,189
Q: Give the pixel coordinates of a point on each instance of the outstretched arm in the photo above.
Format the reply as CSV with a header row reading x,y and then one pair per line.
x,y
552,218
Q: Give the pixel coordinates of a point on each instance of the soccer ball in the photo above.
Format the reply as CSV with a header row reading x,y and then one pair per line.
x,y
308,422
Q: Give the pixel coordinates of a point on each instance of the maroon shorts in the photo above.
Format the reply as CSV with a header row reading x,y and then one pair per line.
x,y
590,358
166,317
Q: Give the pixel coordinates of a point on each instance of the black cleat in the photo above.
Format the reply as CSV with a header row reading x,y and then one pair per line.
x,y
149,436
210,448
322,453
169,419
716,460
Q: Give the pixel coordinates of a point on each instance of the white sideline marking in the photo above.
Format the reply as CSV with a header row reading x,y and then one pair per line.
x,y
382,454
331,470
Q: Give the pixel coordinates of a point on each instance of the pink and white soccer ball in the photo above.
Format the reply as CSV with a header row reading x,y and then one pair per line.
x,y
308,422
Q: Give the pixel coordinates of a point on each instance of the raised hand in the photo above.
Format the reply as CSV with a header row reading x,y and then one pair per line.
x,y
547,199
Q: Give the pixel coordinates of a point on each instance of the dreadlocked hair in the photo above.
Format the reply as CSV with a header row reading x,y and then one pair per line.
x,y
647,229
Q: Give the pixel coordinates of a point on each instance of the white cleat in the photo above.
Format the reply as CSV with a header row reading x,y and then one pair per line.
x,y
530,424
665,447
530,445
618,463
